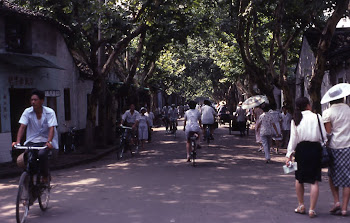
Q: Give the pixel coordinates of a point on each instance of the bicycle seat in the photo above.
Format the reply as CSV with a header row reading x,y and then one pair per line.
x,y
193,134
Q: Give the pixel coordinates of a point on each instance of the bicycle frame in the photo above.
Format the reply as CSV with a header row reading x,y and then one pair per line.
x,y
30,184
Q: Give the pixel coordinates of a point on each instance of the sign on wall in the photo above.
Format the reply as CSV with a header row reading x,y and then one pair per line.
x,y
52,93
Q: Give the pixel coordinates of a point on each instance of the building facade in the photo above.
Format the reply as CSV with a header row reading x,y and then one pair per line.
x,y
34,55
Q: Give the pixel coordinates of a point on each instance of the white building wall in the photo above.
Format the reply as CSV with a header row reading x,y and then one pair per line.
x,y
44,79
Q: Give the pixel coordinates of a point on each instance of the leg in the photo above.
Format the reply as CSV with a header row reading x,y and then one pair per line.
x,y
335,193
314,195
299,188
265,143
44,162
188,148
346,196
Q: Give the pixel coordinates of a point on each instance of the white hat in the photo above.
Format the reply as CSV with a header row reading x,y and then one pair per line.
x,y
143,108
336,92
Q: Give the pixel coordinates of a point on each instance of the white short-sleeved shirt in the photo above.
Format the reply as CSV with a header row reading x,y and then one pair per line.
x,y
240,112
131,118
173,114
286,120
192,117
339,116
266,124
208,114
143,120
151,117
276,118
38,130
307,130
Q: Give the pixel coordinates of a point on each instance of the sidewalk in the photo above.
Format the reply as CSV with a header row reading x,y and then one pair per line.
x,y
61,161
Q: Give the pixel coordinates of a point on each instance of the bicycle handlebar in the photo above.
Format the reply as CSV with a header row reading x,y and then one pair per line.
x,y
30,147
125,127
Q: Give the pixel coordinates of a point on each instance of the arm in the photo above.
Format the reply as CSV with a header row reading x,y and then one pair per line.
x,y
50,137
293,141
20,134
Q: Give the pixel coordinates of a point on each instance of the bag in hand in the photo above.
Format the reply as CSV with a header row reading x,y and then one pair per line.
x,y
325,160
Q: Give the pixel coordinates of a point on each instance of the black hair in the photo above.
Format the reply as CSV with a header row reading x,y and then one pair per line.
x,y
273,106
300,105
192,104
40,94
207,102
265,107
340,100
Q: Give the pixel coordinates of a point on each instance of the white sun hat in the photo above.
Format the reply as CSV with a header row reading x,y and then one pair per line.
x,y
336,92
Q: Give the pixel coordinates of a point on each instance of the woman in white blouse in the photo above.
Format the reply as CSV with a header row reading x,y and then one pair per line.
x,y
337,123
305,142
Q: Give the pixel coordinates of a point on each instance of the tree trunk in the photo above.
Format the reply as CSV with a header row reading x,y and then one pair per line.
x,y
324,43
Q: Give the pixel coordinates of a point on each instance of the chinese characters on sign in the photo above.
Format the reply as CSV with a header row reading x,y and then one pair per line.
x,y
20,81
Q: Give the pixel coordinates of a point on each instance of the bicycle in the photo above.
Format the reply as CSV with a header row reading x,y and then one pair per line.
x,y
193,139
69,145
207,133
30,187
125,141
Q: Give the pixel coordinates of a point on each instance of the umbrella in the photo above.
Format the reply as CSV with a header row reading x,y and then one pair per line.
x,y
336,92
254,101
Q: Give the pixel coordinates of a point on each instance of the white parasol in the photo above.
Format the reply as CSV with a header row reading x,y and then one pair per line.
x,y
336,92
254,101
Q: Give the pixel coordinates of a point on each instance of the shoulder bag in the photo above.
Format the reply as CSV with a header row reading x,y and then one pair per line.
x,y
325,160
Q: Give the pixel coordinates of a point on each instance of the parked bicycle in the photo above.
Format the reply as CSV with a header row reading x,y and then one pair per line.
x,y
30,186
70,141
193,139
128,140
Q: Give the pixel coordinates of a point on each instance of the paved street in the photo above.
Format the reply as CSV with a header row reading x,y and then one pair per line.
x,y
231,184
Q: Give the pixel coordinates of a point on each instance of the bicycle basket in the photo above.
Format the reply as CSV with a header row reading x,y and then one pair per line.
x,y
22,160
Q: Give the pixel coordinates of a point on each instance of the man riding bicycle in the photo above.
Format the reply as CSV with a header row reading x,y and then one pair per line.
x,y
131,118
173,115
40,123
208,118
192,124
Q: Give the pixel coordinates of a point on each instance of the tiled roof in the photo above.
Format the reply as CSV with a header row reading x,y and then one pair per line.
x,y
340,45
8,8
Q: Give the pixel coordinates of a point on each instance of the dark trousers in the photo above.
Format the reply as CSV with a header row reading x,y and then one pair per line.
x,y
43,156
242,127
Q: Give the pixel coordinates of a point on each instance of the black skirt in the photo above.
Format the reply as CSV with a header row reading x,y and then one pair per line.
x,y
308,156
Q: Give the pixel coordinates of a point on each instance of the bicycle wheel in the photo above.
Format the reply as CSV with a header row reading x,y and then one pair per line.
x,y
208,134
44,196
23,198
194,156
121,149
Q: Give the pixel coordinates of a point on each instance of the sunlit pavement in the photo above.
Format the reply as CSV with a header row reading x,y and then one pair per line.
x,y
231,183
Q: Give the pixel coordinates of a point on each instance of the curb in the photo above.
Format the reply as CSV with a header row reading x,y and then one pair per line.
x,y
17,172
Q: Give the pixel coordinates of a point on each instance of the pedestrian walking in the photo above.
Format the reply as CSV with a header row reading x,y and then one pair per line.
x,y
241,118
305,139
337,123
165,112
265,127
286,120
277,120
143,126
151,118
257,111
